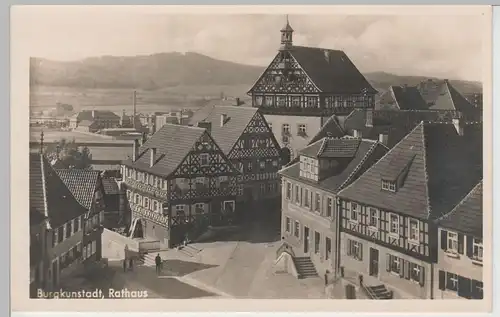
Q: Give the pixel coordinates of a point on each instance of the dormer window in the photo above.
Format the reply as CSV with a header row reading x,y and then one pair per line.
x,y
309,167
388,185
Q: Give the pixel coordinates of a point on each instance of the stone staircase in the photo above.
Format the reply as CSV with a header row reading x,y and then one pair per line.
x,y
305,267
378,292
189,250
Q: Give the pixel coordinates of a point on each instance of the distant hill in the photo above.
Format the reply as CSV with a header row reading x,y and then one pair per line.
x,y
164,70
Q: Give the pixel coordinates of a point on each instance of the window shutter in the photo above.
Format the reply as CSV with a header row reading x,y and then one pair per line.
x,y
422,276
408,270
388,263
360,251
442,280
469,247
464,287
460,243
444,240
402,267
348,247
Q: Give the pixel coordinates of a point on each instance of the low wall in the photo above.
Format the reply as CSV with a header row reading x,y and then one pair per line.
x,y
113,245
149,245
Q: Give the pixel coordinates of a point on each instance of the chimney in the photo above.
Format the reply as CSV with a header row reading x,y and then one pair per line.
x,y
152,156
134,110
327,55
459,125
383,138
223,119
135,150
369,117
205,125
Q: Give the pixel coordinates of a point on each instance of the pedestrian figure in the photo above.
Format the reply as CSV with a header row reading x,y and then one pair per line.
x,y
158,263
124,265
131,264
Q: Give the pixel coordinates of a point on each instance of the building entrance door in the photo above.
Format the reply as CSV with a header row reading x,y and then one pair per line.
x,y
373,262
306,239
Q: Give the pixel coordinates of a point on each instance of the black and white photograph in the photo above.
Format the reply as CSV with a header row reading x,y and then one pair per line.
x,y
202,155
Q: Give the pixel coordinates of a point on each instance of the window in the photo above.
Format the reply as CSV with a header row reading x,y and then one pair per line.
x,y
451,281
301,129
317,203
199,208
415,272
295,101
269,100
395,264
355,249
275,163
262,189
387,185
477,289
76,224
394,220
288,224
307,198
311,101
204,159
60,234
317,238
229,206
354,212
477,249
452,242
280,100
179,210
271,187
155,205
414,231
373,217
329,207
298,192
285,129
328,248
262,164
297,229
288,191
249,166
146,202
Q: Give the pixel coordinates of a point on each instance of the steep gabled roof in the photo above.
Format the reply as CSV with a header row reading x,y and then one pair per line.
x,y
331,129
49,196
82,184
367,152
408,98
237,119
173,143
331,71
467,216
449,98
443,167
86,123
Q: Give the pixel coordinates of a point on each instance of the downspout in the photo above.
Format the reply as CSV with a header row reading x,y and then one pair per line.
x,y
432,280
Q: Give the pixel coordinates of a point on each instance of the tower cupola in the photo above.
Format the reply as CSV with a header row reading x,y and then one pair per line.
x,y
286,35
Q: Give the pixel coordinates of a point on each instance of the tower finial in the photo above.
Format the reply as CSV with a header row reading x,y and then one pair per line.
x,y
286,35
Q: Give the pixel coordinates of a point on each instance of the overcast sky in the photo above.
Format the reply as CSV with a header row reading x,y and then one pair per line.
x,y
445,46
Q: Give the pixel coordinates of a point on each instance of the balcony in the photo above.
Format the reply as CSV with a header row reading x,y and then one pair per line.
x,y
161,193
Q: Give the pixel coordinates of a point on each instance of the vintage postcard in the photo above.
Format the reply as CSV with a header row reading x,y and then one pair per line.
x,y
231,154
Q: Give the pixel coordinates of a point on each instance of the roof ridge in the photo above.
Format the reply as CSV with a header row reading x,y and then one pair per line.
x,y
387,153
462,201
358,167
424,157
44,190
305,72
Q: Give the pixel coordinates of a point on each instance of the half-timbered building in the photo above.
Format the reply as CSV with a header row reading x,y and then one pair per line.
x,y
177,183
87,188
245,137
389,236
303,86
56,235
310,186
458,272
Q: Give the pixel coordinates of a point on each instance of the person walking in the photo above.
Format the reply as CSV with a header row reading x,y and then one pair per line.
x,y
131,264
158,263
124,265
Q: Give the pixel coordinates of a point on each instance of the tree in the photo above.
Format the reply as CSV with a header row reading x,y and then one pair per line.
x,y
69,154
